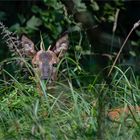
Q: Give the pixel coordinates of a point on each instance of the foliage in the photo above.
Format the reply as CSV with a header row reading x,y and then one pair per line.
x,y
69,109
66,113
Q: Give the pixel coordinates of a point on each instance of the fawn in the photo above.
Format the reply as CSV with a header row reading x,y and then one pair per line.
x,y
44,61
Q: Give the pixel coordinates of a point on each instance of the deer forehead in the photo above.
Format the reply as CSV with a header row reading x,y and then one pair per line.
x,y
54,59
46,56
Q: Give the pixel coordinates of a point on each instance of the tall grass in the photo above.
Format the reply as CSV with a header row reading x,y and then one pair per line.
x,y
67,110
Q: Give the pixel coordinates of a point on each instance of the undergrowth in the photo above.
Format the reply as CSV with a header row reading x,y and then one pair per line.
x,y
64,111
30,109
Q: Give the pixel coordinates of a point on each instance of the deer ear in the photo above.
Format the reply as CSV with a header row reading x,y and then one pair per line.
x,y
61,45
27,45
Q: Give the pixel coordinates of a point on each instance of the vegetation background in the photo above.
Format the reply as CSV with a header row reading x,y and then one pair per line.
x,y
78,105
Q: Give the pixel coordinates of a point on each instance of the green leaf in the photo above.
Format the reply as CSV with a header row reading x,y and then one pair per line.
x,y
78,48
33,22
111,18
94,5
21,18
134,43
77,27
81,7
2,15
138,33
54,3
15,27
132,53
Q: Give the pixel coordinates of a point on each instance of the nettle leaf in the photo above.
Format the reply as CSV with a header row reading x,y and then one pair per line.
x,y
33,22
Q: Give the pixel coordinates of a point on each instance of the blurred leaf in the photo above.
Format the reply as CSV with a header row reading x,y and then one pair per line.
x,y
108,8
132,53
81,7
94,5
78,48
2,15
15,27
111,18
119,3
134,43
34,22
21,18
77,27
36,9
138,33
54,3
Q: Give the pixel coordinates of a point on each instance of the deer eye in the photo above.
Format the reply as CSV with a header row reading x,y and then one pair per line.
x,y
54,65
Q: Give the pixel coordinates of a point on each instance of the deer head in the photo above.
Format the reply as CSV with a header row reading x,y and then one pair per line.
x,y
45,60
